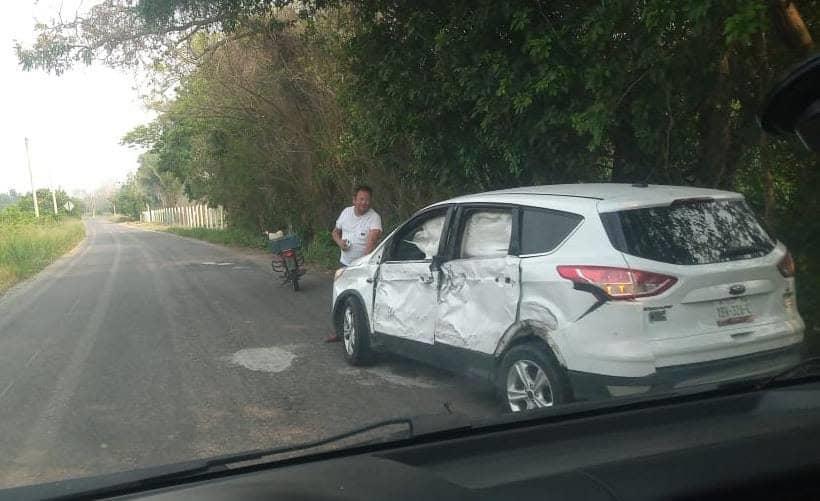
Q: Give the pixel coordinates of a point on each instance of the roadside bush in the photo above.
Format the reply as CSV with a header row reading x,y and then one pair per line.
x,y
322,250
28,245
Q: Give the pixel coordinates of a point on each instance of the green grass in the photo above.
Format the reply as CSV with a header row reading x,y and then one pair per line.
x,y
321,251
28,247
231,236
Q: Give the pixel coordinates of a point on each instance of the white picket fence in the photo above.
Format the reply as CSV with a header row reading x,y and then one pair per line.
x,y
189,216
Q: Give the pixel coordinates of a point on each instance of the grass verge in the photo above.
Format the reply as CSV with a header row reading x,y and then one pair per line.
x,y
321,251
231,236
27,248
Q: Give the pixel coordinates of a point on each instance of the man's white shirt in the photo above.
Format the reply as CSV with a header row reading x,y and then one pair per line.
x,y
355,230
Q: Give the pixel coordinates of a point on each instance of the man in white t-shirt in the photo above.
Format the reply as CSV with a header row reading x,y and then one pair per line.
x,y
358,227
357,231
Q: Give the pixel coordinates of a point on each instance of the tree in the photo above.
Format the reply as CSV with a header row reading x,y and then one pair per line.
x,y
162,37
253,129
7,199
26,204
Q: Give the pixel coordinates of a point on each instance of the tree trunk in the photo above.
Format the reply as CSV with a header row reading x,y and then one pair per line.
x,y
768,181
717,132
791,27
765,165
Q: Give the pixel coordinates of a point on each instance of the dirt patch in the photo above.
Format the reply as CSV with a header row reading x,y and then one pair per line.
x,y
271,359
259,412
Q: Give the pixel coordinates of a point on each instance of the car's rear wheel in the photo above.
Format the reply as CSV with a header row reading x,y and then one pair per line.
x,y
529,378
355,333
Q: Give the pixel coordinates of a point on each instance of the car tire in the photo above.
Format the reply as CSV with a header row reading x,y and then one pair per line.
x,y
355,333
529,377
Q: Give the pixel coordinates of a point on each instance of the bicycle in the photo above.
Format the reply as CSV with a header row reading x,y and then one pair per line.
x,y
287,259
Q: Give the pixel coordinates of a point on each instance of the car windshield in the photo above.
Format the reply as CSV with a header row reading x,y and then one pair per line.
x,y
227,226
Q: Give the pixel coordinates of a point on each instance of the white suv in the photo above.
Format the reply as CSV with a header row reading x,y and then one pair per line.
x,y
571,292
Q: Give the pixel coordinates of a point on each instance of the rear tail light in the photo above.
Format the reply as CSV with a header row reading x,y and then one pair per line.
x,y
618,283
786,265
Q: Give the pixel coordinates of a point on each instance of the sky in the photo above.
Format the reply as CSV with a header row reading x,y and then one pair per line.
x,y
74,122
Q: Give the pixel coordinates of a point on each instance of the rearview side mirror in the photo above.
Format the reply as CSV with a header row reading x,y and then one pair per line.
x,y
793,105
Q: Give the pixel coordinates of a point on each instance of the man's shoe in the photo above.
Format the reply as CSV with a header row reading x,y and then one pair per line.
x,y
333,339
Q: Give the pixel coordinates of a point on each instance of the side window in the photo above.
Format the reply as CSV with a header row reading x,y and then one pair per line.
x,y
485,233
419,241
543,230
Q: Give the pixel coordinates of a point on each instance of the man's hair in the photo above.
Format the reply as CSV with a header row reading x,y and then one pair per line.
x,y
363,187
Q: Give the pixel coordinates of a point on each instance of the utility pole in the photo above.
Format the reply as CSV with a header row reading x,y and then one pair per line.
x,y
31,179
53,196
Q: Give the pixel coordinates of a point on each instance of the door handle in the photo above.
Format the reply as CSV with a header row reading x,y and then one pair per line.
x,y
369,280
426,279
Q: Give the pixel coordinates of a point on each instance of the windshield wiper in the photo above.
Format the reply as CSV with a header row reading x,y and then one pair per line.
x,y
744,250
261,453
155,477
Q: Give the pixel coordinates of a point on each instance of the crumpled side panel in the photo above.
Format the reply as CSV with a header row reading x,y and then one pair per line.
x,y
478,301
405,305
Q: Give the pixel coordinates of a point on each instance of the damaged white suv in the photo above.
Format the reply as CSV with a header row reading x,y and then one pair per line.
x,y
572,292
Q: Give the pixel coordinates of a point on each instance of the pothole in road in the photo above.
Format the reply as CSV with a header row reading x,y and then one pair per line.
x,y
271,359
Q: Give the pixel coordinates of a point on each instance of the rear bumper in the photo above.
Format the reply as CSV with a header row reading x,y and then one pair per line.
x,y
588,386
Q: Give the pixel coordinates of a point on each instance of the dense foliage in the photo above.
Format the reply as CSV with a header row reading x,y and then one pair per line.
x,y
279,111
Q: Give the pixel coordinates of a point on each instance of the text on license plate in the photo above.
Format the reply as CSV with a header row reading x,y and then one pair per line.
x,y
733,311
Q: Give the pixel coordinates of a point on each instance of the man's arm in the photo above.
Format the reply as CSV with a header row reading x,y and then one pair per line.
x,y
337,237
372,240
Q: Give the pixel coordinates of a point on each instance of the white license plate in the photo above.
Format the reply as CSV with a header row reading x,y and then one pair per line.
x,y
733,311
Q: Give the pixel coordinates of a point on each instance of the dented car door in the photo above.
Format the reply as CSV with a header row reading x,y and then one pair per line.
x,y
405,302
480,288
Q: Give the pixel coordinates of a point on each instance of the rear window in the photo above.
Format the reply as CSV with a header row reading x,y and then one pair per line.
x,y
691,232
543,230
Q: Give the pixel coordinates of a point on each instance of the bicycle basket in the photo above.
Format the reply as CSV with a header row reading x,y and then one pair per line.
x,y
285,243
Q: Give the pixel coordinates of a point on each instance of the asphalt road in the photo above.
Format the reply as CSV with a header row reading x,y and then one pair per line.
x,y
142,348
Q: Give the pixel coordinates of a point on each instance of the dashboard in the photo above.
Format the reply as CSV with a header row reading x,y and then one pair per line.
x,y
726,444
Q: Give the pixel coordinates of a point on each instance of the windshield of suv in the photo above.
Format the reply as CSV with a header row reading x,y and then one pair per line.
x,y
234,225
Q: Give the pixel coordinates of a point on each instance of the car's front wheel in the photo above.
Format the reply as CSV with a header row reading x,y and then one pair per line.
x,y
355,333
530,378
